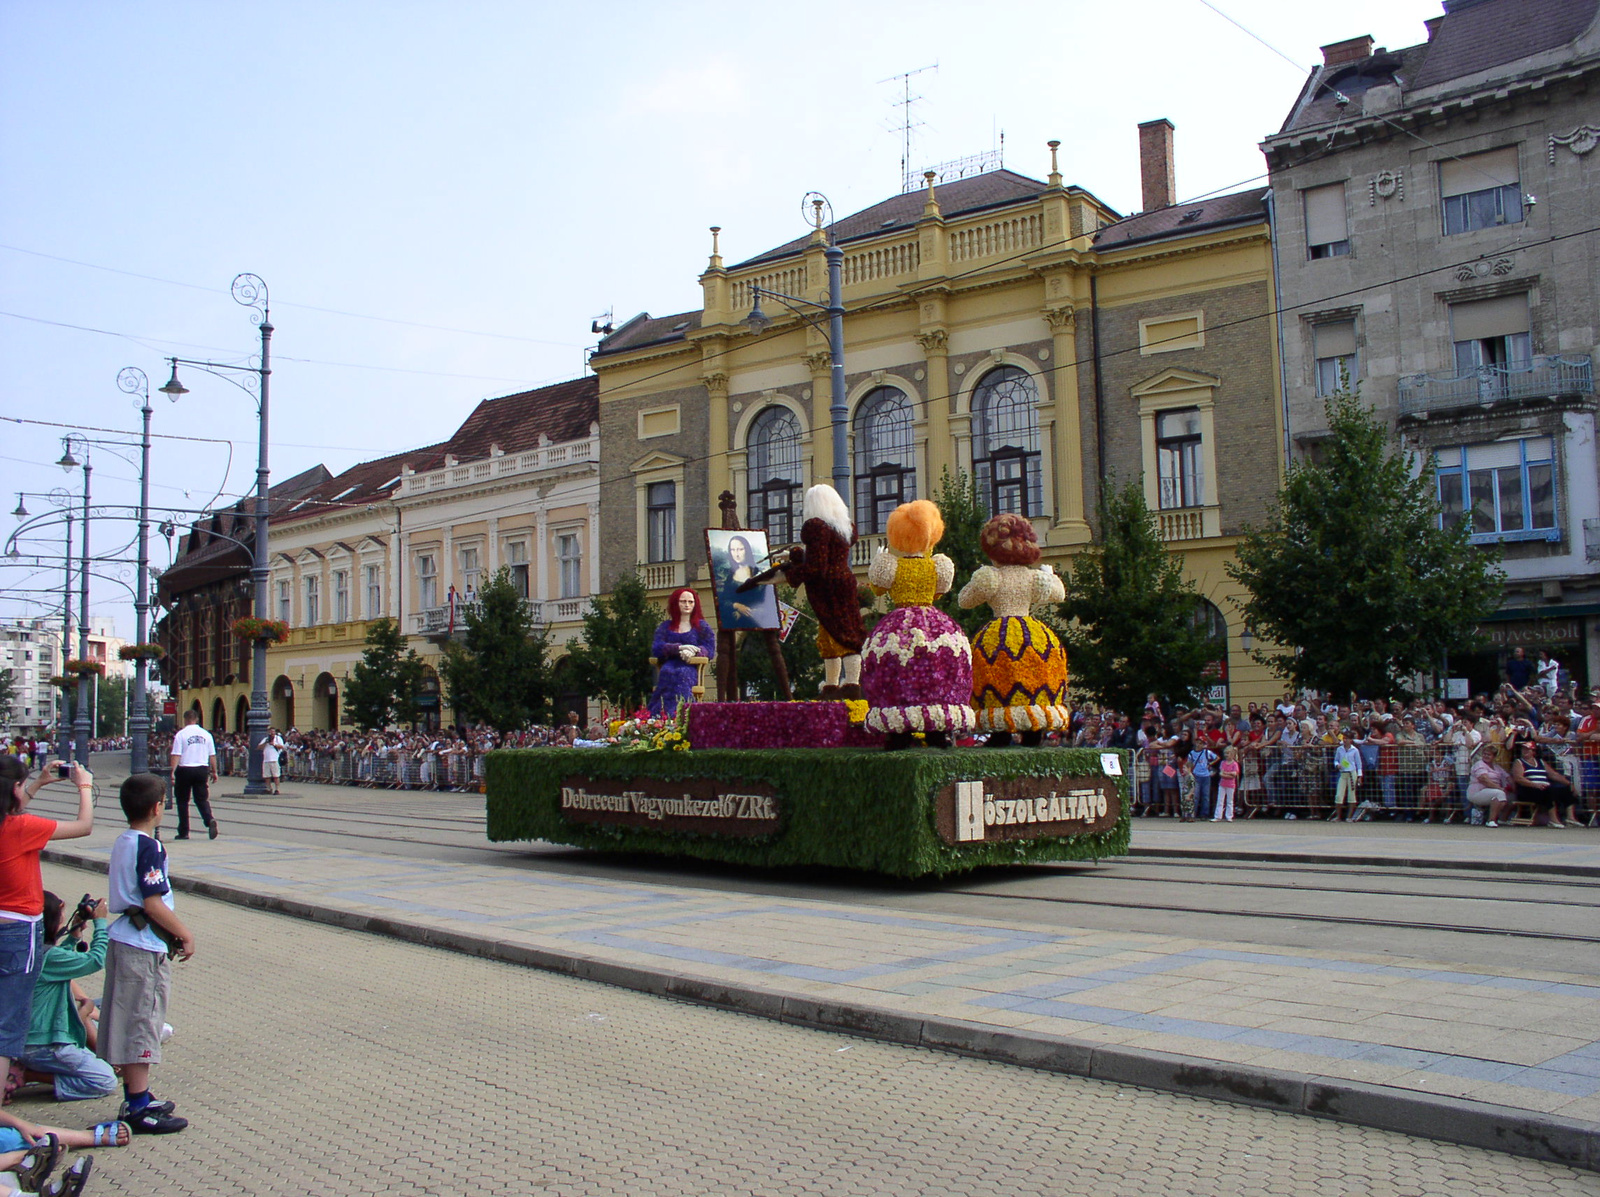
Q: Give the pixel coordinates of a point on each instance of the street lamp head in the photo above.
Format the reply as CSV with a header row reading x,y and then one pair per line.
x,y
68,461
173,388
1247,638
22,511
757,321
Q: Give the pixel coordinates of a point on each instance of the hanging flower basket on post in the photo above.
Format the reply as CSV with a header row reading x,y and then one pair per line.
x,y
62,682
141,652
84,668
251,628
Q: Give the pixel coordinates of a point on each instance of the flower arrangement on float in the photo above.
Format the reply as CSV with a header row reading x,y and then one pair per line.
x,y
80,667
644,732
148,651
250,628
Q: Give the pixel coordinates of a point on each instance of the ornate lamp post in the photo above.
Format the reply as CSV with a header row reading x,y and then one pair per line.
x,y
250,291
80,721
757,321
132,380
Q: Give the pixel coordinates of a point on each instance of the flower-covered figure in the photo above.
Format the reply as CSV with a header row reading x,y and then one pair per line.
x,y
823,568
682,637
1019,669
917,667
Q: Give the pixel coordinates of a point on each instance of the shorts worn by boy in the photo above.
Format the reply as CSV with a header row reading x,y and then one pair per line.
x,y
138,972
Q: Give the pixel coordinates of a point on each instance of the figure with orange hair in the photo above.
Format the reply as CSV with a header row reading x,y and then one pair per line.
x,y
1019,669
916,670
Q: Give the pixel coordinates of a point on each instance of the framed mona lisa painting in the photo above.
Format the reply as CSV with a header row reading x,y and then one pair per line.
x,y
735,557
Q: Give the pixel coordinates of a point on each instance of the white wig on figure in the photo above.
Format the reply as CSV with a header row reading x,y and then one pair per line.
x,y
823,503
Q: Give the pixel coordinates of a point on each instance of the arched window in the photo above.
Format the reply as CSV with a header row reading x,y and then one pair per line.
x,y
1210,622
886,470
773,461
1005,443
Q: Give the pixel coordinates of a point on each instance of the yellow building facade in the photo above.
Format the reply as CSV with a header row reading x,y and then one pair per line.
x,y
1011,328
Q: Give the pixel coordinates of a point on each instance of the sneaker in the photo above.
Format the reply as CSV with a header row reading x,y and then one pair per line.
x,y
212,829
1289,815
1557,823
182,835
151,1121
1491,823
160,1107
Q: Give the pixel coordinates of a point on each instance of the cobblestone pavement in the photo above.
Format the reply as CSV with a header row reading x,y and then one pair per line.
x,y
334,1063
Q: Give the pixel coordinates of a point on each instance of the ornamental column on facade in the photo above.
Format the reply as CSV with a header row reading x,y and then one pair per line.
x,y
933,335
1071,527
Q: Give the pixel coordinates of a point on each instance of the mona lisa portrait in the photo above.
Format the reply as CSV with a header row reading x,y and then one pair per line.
x,y
735,557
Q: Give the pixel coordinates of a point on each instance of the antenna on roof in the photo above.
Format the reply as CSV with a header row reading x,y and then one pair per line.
x,y
602,324
908,178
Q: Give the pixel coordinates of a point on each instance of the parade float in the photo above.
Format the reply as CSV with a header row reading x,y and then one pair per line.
x,y
868,776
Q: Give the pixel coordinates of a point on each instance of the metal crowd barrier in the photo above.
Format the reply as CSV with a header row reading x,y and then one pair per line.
x,y
391,769
1399,781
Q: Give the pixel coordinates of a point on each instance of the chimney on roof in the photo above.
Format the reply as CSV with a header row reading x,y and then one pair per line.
x,y
1433,24
1351,50
1159,186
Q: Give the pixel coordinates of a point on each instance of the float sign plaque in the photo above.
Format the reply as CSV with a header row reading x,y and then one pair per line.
x,y
706,805
1025,808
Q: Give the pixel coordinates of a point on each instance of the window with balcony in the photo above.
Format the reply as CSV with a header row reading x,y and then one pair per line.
x,y
517,563
374,591
661,521
427,581
1481,190
1335,344
1005,443
1505,489
313,598
341,596
471,568
886,474
773,461
569,564
1327,227
285,602
1490,332
1178,459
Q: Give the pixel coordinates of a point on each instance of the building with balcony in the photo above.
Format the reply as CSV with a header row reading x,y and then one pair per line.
x,y
1435,244
408,537
30,651
1015,329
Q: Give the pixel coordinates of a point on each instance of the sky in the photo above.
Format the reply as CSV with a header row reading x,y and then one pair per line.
x,y
442,196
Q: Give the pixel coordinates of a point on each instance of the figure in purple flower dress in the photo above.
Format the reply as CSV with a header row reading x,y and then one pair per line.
x,y
680,642
916,670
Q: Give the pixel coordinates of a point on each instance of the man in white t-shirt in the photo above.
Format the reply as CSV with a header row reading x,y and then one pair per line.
x,y
194,765
271,755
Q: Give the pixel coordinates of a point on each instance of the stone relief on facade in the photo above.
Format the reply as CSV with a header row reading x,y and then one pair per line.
x,y
1580,141
1483,268
1386,184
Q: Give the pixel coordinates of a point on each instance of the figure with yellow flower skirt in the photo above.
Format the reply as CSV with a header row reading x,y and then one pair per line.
x,y
1019,669
916,668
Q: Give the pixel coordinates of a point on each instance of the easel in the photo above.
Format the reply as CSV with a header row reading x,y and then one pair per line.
x,y
728,638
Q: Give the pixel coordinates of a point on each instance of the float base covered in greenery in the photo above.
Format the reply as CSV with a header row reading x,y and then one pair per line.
x,y
842,807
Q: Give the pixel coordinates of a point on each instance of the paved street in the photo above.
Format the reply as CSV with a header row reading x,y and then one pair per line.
x,y
335,1063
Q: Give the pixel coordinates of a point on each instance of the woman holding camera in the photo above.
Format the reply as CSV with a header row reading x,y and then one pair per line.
x,y
22,836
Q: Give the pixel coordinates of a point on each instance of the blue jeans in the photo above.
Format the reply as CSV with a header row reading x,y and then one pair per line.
x,y
21,958
79,1073
1387,782
1202,795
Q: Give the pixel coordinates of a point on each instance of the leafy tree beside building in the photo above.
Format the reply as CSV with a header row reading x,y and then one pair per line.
x,y
500,673
612,658
384,686
1356,573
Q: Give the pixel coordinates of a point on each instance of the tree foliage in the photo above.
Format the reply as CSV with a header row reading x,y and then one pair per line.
x,y
384,686
612,658
964,517
499,673
8,694
1133,626
1353,571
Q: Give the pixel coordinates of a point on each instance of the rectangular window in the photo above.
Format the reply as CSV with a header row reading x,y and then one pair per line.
x,y
374,592
1491,340
341,596
517,559
1336,355
1480,190
1178,459
285,602
427,581
661,521
1327,230
571,564
313,611
1506,489
471,568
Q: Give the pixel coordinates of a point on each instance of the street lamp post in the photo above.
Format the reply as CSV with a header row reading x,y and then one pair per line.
x,y
757,321
250,291
80,721
133,381
63,740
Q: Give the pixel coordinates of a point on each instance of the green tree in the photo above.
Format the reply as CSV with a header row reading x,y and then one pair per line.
x,y
499,673
612,658
108,705
1132,617
383,688
1353,571
964,517
8,694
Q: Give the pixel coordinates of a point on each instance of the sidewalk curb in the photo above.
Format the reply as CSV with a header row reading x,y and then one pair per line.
x,y
1568,1141
1314,858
